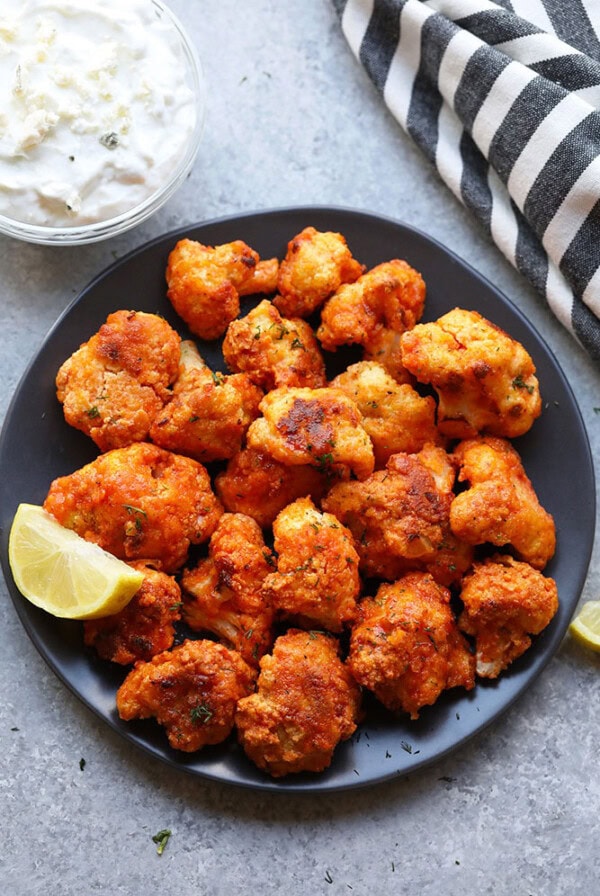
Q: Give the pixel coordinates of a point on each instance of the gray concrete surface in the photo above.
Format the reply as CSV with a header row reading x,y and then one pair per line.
x,y
292,120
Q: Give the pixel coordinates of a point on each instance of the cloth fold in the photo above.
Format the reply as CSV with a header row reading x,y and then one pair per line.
x,y
503,98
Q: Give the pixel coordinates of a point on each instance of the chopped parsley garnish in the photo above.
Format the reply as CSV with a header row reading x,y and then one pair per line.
x,y
519,383
324,460
136,524
201,713
110,140
161,839
131,509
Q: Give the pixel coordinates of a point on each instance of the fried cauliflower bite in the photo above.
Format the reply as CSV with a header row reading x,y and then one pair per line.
x,y
406,647
273,350
500,505
192,692
394,415
390,296
224,594
209,413
139,502
259,486
485,379
400,518
505,602
145,627
113,386
203,283
385,347
306,703
262,280
321,427
316,264
316,583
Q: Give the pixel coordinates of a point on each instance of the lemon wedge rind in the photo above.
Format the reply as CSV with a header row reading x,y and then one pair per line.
x,y
62,573
585,627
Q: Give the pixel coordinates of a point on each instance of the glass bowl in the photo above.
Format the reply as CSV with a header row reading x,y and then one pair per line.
x,y
88,232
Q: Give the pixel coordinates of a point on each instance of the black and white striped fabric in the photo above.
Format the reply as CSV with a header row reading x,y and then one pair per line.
x,y
503,98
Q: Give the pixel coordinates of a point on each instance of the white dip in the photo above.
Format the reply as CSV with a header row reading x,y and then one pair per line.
x,y
96,108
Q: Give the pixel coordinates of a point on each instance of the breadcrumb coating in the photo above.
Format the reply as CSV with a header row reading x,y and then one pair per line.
x,y
500,505
406,647
192,691
139,503
203,283
485,379
385,347
224,593
115,384
400,518
209,413
321,427
306,703
274,351
262,280
316,584
145,627
505,602
256,484
316,264
390,296
395,416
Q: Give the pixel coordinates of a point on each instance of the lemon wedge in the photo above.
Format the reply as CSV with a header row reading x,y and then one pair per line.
x,y
586,625
64,574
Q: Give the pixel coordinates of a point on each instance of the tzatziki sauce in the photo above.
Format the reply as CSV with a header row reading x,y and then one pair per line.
x,y
97,108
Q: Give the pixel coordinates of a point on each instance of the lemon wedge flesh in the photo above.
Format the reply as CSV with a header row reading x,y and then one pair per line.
x,y
64,574
586,625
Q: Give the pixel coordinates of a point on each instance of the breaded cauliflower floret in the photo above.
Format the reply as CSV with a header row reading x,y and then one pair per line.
x,y
204,282
262,280
224,594
505,602
400,518
395,416
485,379
138,503
114,385
273,350
385,347
315,265
390,296
317,582
209,413
145,627
305,704
322,427
406,647
256,484
192,691
500,506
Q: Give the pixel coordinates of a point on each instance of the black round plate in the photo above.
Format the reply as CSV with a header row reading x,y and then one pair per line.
x,y
36,446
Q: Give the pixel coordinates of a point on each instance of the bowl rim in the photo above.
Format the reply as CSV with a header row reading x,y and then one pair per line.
x,y
45,234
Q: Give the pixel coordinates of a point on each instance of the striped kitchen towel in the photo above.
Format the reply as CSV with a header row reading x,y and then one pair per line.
x,y
503,98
